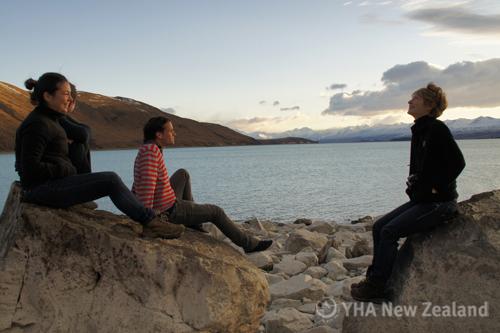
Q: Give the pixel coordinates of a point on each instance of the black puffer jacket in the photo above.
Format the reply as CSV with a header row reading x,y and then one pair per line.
x,y
435,162
42,148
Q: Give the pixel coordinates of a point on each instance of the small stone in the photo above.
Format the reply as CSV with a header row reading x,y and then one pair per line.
x,y
365,219
274,278
357,263
303,221
302,238
262,260
333,253
316,272
287,320
281,303
308,308
308,258
336,270
297,287
322,329
323,227
359,249
289,266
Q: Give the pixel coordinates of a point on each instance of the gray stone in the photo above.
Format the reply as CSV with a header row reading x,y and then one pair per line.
x,y
322,329
274,278
365,219
281,303
302,238
303,221
316,272
336,270
308,308
357,263
359,249
262,260
323,227
297,287
352,227
287,320
333,254
289,266
308,258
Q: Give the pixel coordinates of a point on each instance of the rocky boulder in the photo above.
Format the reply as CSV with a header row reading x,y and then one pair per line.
x,y
451,274
82,270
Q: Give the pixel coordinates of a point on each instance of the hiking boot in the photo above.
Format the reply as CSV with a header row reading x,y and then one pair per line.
x,y
360,283
261,246
162,229
369,291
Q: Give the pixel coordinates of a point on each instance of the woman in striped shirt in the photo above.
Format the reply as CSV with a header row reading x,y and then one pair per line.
x,y
172,197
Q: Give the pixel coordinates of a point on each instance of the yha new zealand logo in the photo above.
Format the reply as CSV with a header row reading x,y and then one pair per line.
x,y
328,308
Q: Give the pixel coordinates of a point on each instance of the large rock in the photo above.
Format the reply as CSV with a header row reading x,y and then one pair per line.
x,y
458,263
80,270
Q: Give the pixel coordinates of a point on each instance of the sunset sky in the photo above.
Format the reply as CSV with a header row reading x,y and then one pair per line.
x,y
268,65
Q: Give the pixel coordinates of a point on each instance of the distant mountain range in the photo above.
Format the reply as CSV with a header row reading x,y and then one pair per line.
x,y
478,128
116,122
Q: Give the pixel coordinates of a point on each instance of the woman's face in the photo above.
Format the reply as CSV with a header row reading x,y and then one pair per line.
x,y
417,107
61,100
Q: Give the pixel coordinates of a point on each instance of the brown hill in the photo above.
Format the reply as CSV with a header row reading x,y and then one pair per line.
x,y
116,122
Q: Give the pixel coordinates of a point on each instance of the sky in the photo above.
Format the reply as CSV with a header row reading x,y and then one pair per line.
x,y
264,66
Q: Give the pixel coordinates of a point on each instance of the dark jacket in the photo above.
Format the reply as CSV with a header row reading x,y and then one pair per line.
x,y
435,162
42,148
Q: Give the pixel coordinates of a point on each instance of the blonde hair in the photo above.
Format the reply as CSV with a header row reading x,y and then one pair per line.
x,y
435,97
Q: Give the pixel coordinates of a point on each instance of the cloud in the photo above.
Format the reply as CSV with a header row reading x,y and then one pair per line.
x,y
276,103
467,84
169,110
457,19
293,108
337,86
267,124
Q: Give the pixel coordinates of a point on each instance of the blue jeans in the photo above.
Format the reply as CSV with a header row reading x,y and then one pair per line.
x,y
76,189
403,221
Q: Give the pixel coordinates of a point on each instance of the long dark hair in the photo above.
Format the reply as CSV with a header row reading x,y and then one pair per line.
x,y
48,82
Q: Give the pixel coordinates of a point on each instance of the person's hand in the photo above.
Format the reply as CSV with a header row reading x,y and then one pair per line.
x,y
70,141
410,181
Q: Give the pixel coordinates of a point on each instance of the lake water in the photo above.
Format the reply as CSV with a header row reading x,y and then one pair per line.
x,y
339,181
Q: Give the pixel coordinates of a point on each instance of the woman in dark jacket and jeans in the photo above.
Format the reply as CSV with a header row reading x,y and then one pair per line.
x,y
47,174
435,163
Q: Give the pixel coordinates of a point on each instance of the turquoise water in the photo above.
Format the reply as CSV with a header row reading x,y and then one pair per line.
x,y
338,181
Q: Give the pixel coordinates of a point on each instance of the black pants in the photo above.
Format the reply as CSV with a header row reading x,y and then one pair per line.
x,y
405,220
76,189
187,212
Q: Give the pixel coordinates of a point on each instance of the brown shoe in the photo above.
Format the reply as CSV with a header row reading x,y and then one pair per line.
x,y
370,291
360,283
161,229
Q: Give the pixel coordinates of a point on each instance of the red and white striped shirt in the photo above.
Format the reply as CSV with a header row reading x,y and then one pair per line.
x,y
151,182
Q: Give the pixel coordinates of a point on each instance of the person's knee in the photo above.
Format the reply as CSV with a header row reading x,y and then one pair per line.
x,y
184,173
389,233
216,211
113,179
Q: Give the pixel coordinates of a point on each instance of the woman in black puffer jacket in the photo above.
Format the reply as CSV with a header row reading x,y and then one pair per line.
x,y
435,163
47,174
